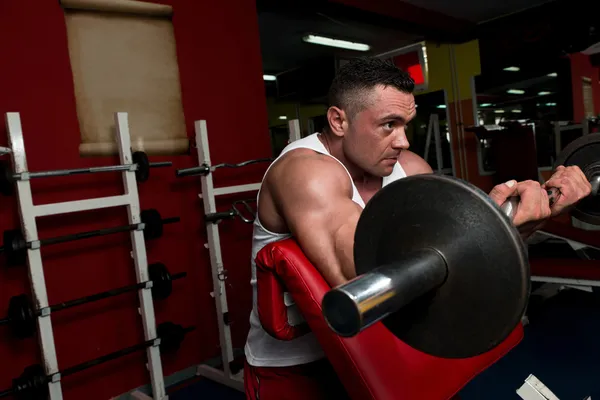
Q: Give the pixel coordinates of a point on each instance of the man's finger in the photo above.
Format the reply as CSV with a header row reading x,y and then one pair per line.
x,y
503,191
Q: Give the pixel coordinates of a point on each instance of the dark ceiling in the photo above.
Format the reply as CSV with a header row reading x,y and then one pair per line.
x,y
283,49
476,10
532,33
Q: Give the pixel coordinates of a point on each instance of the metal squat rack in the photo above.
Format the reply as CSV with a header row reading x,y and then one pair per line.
x,y
208,195
28,212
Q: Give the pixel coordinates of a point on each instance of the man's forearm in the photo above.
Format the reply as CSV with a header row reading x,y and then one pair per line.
x,y
344,250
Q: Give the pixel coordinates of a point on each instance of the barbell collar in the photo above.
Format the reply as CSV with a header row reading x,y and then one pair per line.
x,y
365,300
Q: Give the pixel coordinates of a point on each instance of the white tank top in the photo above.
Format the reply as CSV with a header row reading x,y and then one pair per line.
x,y
261,349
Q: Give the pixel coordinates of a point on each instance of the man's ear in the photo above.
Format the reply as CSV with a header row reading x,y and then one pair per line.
x,y
337,121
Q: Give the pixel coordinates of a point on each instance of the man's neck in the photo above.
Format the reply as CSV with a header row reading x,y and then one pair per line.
x,y
333,144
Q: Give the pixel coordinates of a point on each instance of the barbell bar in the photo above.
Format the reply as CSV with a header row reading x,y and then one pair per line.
x,y
206,169
32,384
15,247
441,265
140,164
22,315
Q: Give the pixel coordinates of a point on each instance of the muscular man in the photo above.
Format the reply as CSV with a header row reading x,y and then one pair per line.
x,y
315,192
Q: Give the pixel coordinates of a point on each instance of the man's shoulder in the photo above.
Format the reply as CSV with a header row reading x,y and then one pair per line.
x,y
305,167
413,164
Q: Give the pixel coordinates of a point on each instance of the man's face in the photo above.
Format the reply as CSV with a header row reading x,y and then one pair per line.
x,y
376,135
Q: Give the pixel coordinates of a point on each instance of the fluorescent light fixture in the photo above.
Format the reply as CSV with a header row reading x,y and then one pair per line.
x,y
516,111
499,111
553,75
485,104
515,91
441,106
544,93
343,44
550,104
269,77
282,117
512,69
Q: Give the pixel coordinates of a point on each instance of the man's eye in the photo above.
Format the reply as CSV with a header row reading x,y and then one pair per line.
x,y
389,125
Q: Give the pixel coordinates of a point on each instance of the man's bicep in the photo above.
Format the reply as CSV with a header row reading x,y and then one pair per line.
x,y
326,236
320,214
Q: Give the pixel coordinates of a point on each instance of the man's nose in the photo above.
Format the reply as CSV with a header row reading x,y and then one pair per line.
x,y
400,141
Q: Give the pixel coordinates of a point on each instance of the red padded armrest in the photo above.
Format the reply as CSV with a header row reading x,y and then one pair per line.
x,y
374,364
272,310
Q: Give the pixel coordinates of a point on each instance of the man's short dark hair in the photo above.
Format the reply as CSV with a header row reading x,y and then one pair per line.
x,y
354,79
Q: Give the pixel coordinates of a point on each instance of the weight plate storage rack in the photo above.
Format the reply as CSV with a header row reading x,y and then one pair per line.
x,y
28,212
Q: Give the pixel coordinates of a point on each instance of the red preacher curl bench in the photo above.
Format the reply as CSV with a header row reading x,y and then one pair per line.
x,y
373,365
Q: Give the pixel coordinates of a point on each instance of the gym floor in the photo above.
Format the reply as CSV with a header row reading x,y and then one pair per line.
x,y
560,348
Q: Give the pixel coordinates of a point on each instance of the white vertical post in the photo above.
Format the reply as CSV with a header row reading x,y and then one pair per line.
x,y
294,127
209,192
428,138
34,258
140,259
438,142
214,248
557,138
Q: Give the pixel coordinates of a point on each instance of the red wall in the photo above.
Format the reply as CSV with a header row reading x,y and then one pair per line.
x,y
582,67
221,77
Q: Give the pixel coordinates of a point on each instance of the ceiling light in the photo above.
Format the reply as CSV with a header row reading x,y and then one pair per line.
x,y
543,93
441,106
512,69
515,111
485,104
499,111
325,41
550,104
552,75
269,77
282,117
515,91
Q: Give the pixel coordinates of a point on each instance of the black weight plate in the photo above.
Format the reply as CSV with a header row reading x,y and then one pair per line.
x,y
142,173
6,181
583,152
22,319
31,384
162,286
171,335
486,291
16,253
153,221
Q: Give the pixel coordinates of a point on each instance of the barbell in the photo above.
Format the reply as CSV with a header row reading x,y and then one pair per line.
x,y
206,169
140,164
32,384
441,265
15,246
22,315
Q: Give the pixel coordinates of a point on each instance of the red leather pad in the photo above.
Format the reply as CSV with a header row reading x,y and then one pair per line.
x,y
373,364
